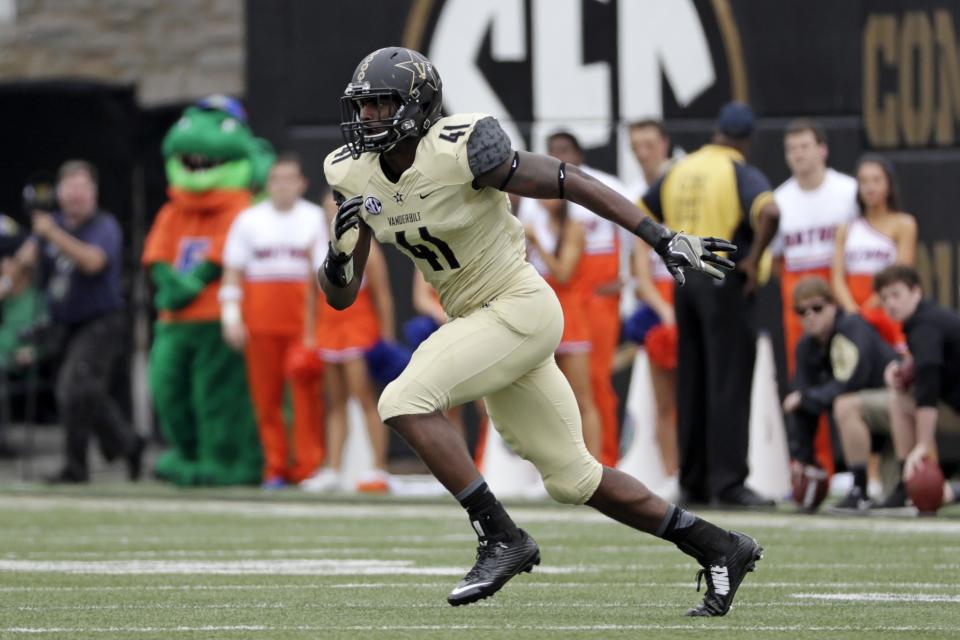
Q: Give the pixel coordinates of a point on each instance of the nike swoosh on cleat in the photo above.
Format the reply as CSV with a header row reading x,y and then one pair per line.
x,y
458,590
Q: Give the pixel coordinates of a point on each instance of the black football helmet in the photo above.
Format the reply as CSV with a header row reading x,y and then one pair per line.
x,y
399,76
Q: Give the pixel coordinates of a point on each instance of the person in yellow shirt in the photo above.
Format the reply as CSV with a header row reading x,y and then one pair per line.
x,y
713,191
433,186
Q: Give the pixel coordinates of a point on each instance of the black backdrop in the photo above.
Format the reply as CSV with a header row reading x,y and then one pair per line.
x,y
788,59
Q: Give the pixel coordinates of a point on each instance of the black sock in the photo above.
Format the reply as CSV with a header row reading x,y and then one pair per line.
x,y
860,478
487,516
692,535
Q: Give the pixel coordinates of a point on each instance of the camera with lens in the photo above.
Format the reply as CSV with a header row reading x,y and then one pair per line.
x,y
39,194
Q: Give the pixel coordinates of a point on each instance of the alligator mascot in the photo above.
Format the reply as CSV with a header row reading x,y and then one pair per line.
x,y
199,387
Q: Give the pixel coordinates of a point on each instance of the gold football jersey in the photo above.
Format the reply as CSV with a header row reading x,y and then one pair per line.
x,y
465,241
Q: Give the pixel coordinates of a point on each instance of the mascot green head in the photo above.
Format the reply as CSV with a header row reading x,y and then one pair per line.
x,y
211,147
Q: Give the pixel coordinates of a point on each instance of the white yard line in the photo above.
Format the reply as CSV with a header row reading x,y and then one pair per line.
x,y
327,628
438,604
517,584
274,510
288,567
878,597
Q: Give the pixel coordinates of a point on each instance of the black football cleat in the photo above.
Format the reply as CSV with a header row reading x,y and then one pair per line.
x,y
496,563
724,575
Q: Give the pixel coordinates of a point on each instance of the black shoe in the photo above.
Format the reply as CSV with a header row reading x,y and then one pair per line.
x,y
690,499
743,498
897,499
134,458
854,503
496,563
67,476
725,573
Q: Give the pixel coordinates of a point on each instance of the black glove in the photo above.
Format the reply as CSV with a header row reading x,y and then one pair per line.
x,y
338,267
680,251
693,252
347,218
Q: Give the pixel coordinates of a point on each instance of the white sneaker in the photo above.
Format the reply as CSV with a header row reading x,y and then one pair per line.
x,y
323,481
669,489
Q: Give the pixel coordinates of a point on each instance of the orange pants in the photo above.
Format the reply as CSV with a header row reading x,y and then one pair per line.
x,y
603,319
576,331
266,355
792,332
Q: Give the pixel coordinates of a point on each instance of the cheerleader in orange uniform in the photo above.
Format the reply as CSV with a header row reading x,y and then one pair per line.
x,y
555,246
343,338
426,302
881,236
654,286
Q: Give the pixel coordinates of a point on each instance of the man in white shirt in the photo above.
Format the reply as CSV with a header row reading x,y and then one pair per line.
x,y
813,202
268,308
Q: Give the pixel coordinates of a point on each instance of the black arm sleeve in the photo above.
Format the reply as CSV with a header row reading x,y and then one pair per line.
x,y
488,146
926,347
815,396
801,432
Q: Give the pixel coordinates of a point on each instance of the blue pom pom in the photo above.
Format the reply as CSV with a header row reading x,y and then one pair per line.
x,y
639,323
418,329
386,361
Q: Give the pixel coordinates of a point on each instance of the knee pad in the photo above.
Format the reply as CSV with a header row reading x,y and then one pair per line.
x,y
576,483
387,405
406,396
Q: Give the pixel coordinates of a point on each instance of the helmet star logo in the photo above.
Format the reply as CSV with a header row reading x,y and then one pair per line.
x,y
418,72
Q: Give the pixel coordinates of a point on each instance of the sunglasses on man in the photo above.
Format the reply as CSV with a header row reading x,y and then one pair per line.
x,y
816,307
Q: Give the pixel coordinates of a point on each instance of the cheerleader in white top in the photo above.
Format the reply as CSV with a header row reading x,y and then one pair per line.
x,y
882,235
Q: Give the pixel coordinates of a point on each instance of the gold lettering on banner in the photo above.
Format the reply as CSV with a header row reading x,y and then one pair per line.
x,y
916,98
948,106
935,265
879,111
911,79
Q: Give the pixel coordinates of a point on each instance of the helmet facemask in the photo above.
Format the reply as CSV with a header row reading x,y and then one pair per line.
x,y
372,135
415,102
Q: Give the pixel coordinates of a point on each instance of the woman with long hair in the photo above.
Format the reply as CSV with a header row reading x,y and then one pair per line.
x,y
343,338
555,244
655,286
882,235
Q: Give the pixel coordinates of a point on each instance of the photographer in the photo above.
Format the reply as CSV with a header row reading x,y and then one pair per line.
x,y
78,249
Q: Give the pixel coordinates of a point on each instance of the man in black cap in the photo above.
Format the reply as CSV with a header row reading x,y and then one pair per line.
x,y
714,192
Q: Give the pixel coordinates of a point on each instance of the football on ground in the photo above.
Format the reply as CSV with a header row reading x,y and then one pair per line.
x,y
925,488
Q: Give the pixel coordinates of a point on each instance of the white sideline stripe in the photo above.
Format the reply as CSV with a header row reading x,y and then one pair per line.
x,y
256,554
341,605
470,627
292,567
878,597
318,510
529,584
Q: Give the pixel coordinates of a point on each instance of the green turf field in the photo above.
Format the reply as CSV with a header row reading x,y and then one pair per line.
x,y
153,563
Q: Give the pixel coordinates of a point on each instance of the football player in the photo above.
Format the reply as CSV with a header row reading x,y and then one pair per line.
x,y
435,187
